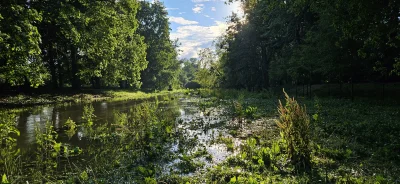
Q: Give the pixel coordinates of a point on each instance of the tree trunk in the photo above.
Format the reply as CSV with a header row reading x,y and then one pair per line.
x,y
123,84
60,76
330,88
52,66
76,83
352,90
60,71
383,91
96,83
27,84
266,66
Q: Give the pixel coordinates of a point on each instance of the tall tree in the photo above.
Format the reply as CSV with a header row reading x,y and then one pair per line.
x,y
19,44
161,51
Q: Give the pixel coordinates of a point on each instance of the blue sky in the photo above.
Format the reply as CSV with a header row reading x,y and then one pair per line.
x,y
197,23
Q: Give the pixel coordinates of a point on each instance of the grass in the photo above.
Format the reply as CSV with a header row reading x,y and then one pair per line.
x,y
24,100
354,141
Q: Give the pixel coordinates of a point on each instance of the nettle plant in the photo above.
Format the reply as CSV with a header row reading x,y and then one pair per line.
x,y
88,118
47,151
8,146
294,124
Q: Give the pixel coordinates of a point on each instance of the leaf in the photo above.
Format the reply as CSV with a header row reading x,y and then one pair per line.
x,y
233,180
4,179
84,176
57,147
168,129
315,117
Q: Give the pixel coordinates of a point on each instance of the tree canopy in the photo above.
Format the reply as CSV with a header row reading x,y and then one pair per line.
x,y
86,42
304,42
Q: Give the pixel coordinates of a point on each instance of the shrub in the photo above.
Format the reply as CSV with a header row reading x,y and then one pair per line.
x,y
294,124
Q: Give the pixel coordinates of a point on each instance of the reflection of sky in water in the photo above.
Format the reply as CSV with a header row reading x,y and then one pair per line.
x,y
39,119
187,110
59,115
57,121
103,106
191,124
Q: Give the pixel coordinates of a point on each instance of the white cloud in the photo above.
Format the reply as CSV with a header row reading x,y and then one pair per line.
x,y
198,8
180,13
213,9
207,16
195,37
236,7
182,21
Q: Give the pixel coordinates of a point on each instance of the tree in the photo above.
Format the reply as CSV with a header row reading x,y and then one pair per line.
x,y
161,51
207,73
306,42
113,50
189,69
20,61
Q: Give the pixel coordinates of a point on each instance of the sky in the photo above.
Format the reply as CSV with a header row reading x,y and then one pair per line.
x,y
197,23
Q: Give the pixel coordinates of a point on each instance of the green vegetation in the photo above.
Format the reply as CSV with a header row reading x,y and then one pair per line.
x,y
304,43
294,124
333,141
340,59
80,43
22,100
119,148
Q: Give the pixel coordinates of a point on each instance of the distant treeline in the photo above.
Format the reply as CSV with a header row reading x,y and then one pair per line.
x,y
75,43
304,42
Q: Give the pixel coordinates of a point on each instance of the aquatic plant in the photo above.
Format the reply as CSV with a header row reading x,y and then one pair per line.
x,y
250,112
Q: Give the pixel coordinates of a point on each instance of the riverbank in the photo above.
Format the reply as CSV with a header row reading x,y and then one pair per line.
x,y
58,97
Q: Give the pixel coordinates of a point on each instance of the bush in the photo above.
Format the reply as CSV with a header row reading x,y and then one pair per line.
x,y
294,124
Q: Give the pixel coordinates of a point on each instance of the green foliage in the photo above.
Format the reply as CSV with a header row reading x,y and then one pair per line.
x,y
163,67
308,42
9,151
4,179
88,115
294,124
250,112
71,127
71,42
136,142
84,176
187,75
19,45
208,72
230,146
47,152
